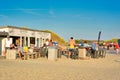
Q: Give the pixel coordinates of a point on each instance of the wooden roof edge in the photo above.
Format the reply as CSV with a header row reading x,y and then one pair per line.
x,y
24,28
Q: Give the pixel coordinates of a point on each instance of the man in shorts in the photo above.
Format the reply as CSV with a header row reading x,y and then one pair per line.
x,y
71,46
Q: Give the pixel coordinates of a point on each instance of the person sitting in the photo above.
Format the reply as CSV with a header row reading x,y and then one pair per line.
x,y
22,51
19,51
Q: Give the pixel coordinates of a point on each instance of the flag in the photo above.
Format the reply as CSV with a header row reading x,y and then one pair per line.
x,y
99,36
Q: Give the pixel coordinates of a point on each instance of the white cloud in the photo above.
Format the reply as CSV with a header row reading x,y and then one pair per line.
x,y
3,16
52,14
78,15
37,12
31,11
82,16
19,9
28,11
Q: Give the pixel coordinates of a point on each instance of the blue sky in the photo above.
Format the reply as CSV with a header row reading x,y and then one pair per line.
x,y
82,19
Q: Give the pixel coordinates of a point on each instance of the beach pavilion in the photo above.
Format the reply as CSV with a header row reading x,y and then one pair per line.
x,y
28,37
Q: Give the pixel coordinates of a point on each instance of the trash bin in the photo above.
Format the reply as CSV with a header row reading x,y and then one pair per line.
x,y
52,53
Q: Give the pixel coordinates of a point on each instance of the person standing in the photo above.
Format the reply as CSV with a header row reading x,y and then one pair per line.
x,y
51,43
18,41
94,47
116,47
47,42
71,46
8,43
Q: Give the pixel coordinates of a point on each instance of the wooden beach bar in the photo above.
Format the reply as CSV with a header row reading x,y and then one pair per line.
x,y
28,37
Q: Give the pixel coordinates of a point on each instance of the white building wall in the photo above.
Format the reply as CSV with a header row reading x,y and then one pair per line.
x,y
27,33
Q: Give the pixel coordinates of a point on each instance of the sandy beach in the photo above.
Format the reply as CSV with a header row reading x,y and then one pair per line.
x,y
107,68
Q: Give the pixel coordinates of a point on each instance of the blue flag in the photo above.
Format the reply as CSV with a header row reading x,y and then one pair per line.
x,y
99,36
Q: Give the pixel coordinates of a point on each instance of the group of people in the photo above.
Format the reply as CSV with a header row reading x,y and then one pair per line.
x,y
114,45
9,45
92,48
48,42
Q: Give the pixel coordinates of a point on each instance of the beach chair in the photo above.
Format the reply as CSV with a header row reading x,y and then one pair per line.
x,y
28,54
102,53
59,53
31,54
43,52
96,54
74,54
